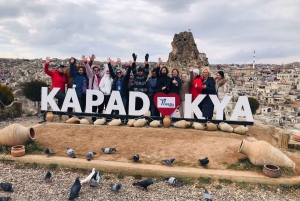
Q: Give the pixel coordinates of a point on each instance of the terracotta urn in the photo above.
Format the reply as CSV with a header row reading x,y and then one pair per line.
x,y
18,150
167,121
272,171
49,116
296,137
262,152
209,126
16,134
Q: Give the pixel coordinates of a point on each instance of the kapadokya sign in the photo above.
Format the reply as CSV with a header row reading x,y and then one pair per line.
x,y
165,103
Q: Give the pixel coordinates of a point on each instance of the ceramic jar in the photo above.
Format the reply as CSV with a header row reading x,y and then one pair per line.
x,y
272,171
167,121
18,150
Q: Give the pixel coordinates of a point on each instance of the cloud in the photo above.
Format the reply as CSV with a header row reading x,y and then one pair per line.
x,y
227,31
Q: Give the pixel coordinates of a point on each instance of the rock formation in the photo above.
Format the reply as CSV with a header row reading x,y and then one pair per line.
x,y
185,53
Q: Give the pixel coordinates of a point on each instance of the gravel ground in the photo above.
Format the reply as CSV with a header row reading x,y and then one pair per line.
x,y
28,184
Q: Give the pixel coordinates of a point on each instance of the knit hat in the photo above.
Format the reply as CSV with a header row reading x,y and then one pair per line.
x,y
196,71
140,69
221,73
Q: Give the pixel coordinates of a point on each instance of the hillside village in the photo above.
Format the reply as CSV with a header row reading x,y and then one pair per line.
x,y
276,87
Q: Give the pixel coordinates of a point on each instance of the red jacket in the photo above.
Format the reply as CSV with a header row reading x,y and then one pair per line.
x,y
58,80
196,91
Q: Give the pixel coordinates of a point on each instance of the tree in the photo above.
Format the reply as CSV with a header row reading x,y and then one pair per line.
x,y
254,104
33,91
6,95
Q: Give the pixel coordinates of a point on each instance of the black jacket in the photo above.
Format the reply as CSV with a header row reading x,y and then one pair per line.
x,y
163,80
175,87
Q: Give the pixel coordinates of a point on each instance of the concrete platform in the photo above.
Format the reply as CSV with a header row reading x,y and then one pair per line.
x,y
152,170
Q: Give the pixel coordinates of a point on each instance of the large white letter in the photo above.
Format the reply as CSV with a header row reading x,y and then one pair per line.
x,y
238,112
193,106
71,94
89,99
220,106
115,96
146,103
49,98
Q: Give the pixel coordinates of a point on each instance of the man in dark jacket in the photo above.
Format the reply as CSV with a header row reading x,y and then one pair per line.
x,y
140,79
152,89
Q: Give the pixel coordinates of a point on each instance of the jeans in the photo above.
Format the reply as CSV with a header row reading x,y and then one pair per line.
x,y
60,96
95,108
124,100
154,111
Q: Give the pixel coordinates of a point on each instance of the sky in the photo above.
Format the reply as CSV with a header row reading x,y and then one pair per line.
x,y
226,31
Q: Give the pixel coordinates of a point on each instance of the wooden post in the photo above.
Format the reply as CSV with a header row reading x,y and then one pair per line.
x,y
283,140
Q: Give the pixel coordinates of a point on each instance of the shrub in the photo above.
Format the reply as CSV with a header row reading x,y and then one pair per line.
x,y
254,104
33,90
6,95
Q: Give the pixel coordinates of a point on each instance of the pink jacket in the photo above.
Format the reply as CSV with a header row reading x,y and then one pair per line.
x,y
93,81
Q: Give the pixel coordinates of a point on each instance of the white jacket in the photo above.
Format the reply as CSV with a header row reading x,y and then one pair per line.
x,y
105,84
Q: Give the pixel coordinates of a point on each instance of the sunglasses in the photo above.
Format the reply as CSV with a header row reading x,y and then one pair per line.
x,y
96,70
119,73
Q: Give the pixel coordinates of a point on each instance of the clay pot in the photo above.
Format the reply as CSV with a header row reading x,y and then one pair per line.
x,y
210,126
100,121
16,134
272,171
155,123
182,124
140,122
296,137
84,121
225,127
198,126
167,121
18,150
115,122
240,130
131,122
261,153
73,120
49,116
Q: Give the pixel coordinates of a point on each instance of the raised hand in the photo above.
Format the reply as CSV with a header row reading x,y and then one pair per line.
x,y
113,63
130,63
146,57
72,59
191,68
119,61
174,81
47,60
108,60
196,85
134,56
93,57
159,61
84,59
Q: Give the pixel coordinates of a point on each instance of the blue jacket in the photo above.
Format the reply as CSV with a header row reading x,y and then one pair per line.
x,y
78,79
151,85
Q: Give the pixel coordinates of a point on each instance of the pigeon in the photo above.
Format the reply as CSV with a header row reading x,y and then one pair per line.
x,y
5,199
90,155
174,181
135,158
47,175
96,178
88,178
70,152
6,187
207,196
144,184
48,151
75,189
204,161
168,161
108,150
116,187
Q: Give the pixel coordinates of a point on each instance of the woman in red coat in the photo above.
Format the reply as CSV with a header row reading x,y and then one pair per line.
x,y
196,86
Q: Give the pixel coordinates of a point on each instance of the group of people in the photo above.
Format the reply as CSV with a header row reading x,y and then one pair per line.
x,y
137,79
